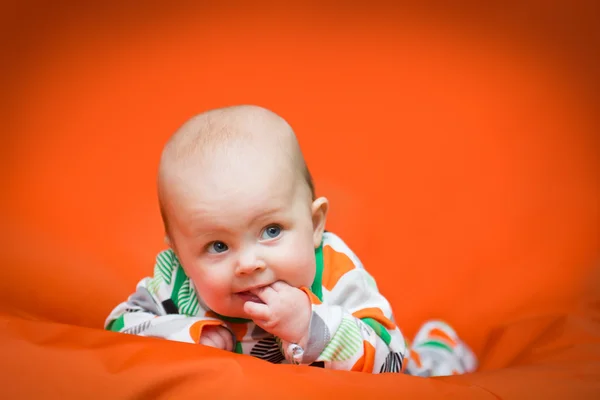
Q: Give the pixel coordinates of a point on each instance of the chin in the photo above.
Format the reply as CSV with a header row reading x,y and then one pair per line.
x,y
239,314
232,312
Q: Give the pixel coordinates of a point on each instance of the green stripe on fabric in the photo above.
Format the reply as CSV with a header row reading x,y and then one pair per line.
x,y
434,343
238,348
163,270
166,263
345,343
180,279
154,284
317,286
379,330
342,348
188,301
195,309
116,324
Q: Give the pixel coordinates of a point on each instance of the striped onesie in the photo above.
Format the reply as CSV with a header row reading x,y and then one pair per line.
x,y
352,327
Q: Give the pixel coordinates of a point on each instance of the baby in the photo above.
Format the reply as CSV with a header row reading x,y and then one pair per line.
x,y
251,269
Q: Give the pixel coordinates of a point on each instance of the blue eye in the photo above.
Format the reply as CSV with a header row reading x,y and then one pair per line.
x,y
271,232
217,247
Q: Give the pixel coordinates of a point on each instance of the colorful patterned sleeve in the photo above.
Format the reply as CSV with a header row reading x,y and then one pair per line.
x,y
352,326
163,306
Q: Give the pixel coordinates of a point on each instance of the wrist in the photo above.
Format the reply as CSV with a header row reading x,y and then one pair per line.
x,y
305,322
296,345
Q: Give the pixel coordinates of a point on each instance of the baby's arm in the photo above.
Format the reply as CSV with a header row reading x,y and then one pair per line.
x,y
165,306
353,328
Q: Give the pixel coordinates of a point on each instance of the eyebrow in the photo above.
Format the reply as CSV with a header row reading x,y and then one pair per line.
x,y
266,214
215,229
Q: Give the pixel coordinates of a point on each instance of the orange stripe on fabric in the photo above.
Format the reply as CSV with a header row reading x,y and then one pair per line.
x,y
195,329
239,330
440,334
416,358
335,265
359,364
376,314
313,298
367,361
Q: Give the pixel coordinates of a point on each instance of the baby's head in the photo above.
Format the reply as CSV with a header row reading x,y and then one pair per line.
x,y
238,205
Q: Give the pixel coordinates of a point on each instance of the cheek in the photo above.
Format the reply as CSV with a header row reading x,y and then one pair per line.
x,y
209,282
213,290
298,262
310,270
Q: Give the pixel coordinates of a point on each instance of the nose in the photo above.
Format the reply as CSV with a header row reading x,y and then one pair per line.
x,y
249,262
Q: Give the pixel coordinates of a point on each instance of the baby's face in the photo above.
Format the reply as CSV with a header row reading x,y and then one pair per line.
x,y
239,228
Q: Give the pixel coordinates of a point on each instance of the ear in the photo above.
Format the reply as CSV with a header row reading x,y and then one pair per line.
x,y
319,215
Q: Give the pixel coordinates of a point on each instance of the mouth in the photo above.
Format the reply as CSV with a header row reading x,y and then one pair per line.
x,y
248,296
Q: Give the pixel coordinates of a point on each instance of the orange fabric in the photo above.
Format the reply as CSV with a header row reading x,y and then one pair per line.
x,y
376,314
313,298
340,261
439,334
239,330
415,356
459,153
365,363
196,328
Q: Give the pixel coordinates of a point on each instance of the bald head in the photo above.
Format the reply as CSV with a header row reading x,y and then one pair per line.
x,y
225,128
215,140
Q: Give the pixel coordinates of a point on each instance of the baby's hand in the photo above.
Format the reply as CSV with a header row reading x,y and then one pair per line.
x,y
217,337
286,312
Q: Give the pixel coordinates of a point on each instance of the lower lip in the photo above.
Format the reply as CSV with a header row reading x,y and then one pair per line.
x,y
247,296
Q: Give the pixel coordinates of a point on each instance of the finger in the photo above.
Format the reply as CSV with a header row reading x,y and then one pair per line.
x,y
278,286
219,340
211,336
208,340
227,339
257,311
266,293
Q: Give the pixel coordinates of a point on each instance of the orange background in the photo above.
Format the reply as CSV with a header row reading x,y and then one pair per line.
x,y
458,148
